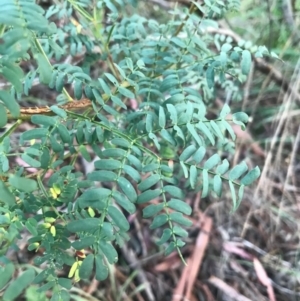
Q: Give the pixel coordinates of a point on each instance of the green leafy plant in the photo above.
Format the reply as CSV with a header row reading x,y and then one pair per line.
x,y
139,116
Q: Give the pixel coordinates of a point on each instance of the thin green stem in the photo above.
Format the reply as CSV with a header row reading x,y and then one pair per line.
x,y
11,130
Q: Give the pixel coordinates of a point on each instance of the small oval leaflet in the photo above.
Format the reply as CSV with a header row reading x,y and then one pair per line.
x,y
101,269
128,189
109,251
118,218
159,221
149,182
86,267
84,225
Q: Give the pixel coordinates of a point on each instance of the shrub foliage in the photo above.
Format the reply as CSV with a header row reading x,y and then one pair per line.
x,y
133,102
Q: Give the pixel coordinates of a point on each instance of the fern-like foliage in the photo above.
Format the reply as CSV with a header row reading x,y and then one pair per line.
x,y
145,121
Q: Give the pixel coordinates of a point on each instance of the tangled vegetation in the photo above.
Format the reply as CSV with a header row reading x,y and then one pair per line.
x,y
135,100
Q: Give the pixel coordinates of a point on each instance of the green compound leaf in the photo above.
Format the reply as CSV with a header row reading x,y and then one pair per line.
x,y
101,269
118,218
18,285
86,267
